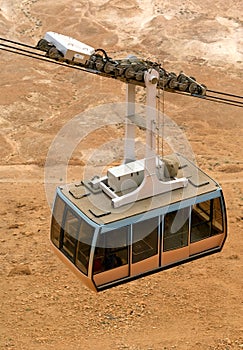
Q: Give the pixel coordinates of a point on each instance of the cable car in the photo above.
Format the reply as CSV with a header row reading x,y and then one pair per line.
x,y
144,216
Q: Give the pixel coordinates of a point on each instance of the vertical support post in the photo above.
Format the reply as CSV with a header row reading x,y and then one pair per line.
x,y
151,184
130,131
151,79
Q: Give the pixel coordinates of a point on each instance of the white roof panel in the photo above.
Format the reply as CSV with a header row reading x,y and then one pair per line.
x,y
64,43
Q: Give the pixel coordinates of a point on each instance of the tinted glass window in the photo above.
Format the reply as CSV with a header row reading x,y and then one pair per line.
x,y
217,217
207,219
56,223
71,228
111,250
176,228
145,239
85,238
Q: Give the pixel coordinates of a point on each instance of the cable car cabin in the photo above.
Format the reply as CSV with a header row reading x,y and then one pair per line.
x,y
142,217
106,246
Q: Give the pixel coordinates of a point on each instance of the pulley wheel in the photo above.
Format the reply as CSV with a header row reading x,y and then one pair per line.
x,y
139,75
193,88
183,83
54,53
183,86
173,83
129,73
99,64
108,67
43,45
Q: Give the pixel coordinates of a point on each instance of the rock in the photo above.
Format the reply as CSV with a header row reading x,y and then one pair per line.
x,y
20,269
16,225
13,226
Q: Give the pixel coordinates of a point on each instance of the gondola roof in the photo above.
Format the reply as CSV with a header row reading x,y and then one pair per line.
x,y
97,206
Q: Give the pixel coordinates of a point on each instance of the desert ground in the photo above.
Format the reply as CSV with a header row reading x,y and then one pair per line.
x,y
195,306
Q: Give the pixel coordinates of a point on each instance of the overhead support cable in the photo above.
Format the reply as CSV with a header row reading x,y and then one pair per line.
x,y
21,49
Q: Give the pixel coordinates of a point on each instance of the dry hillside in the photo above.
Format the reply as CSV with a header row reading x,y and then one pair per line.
x,y
196,306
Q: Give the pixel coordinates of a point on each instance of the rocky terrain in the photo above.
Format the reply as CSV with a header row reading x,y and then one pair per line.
x,y
194,306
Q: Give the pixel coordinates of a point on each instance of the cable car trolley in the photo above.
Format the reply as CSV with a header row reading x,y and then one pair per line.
x,y
144,216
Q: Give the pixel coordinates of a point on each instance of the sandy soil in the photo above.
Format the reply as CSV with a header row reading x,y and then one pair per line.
x,y
43,305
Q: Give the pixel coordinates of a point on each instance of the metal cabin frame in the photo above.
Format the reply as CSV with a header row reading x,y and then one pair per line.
x,y
176,257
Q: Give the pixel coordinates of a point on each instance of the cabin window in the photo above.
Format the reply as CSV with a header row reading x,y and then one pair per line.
x,y
56,223
145,239
85,238
207,219
217,217
176,228
111,250
77,236
70,234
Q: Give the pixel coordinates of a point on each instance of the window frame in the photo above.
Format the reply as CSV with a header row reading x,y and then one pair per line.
x,y
155,249
78,262
63,232
112,250
55,223
81,217
184,232
210,221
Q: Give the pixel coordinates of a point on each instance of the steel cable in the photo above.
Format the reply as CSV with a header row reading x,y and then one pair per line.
x,y
20,51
